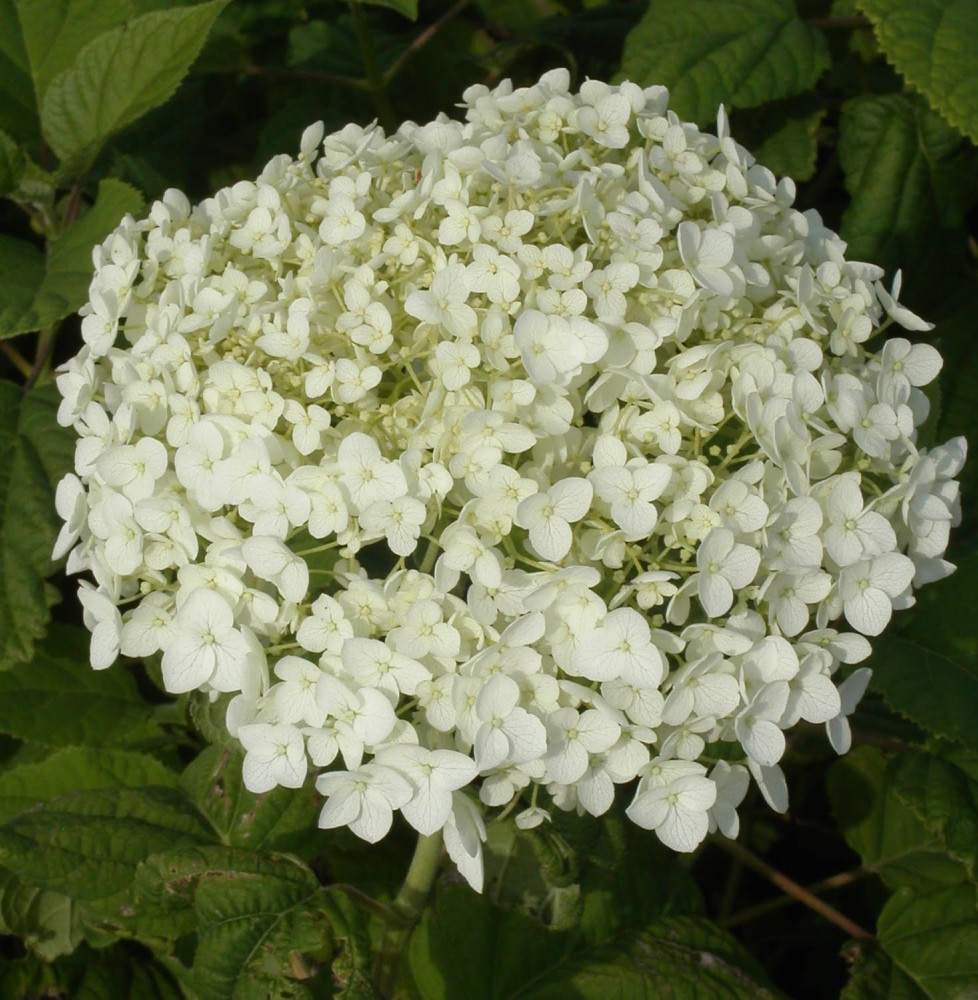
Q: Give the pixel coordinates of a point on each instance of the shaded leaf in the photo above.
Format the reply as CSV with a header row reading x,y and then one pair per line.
x,y
518,16
937,692
18,108
11,164
61,286
120,76
48,922
407,8
932,941
882,829
508,955
89,844
35,452
875,977
116,974
29,976
21,274
943,794
792,150
906,171
350,966
740,53
61,701
260,919
934,44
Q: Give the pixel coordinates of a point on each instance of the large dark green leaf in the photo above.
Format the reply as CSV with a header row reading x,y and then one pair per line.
x,y
943,793
21,274
906,170
60,701
88,845
48,922
936,691
886,833
34,454
740,53
792,149
18,108
283,819
407,8
467,947
262,920
934,44
11,164
932,941
115,974
77,769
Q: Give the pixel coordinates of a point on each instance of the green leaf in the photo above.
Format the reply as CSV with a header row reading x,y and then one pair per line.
x,y
40,38
48,922
46,293
465,946
261,919
34,454
89,844
21,274
350,966
77,769
882,829
518,16
932,941
906,171
407,8
740,53
61,701
120,76
941,617
936,691
69,268
581,872
792,150
283,819
934,44
873,976
11,164
943,794
117,974
54,31
18,107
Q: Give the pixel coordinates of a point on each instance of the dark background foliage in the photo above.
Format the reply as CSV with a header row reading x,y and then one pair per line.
x,y
133,863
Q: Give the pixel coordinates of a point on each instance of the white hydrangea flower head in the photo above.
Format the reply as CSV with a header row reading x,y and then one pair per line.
x,y
522,456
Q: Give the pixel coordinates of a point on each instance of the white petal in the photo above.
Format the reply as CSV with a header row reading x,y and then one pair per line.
x,y
683,831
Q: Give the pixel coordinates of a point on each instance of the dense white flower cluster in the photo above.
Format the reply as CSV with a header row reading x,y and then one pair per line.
x,y
508,460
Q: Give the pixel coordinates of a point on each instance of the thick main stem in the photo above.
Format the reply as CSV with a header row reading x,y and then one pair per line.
x,y
408,906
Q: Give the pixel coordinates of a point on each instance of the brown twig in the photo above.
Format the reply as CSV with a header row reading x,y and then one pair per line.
x,y
423,39
16,358
72,205
771,905
792,888
369,903
45,346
